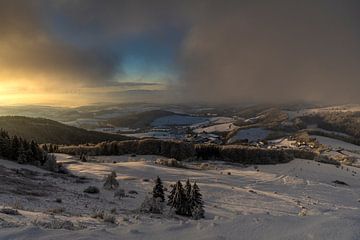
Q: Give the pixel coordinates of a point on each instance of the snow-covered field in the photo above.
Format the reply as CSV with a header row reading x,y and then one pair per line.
x,y
180,120
297,200
251,134
223,127
336,144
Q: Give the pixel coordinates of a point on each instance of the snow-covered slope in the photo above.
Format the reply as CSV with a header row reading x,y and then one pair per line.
x,y
297,200
336,144
251,134
180,120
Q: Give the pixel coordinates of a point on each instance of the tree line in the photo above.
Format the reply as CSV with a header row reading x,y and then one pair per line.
x,y
183,151
21,150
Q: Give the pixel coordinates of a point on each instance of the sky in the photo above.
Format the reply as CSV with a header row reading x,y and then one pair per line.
x,y
80,52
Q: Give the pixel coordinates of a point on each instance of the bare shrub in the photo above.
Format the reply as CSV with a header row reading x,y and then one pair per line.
x,y
120,193
56,210
98,213
110,182
109,218
106,217
169,162
18,205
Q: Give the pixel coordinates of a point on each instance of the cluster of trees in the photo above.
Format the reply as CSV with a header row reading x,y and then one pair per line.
x,y
182,151
345,122
171,149
50,148
186,201
20,150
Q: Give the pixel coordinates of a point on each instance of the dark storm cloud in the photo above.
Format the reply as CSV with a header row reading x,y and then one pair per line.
x,y
274,51
29,51
230,51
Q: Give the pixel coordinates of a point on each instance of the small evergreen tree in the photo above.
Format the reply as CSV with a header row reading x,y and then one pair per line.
x,y
83,158
5,144
110,182
171,196
51,148
196,203
15,146
50,163
187,190
21,157
34,151
151,205
45,148
179,201
158,190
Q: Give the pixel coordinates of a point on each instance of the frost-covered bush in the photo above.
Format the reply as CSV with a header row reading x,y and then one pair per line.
x,y
169,162
98,213
120,193
92,190
152,205
109,218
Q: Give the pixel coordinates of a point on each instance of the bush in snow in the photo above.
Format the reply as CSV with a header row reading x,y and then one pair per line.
x,y
120,193
98,214
92,190
110,182
109,218
152,205
169,162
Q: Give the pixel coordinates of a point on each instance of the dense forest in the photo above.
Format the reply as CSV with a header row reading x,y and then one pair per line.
x,y
344,122
20,150
188,151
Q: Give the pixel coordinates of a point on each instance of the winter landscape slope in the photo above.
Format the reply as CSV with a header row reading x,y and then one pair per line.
x,y
297,200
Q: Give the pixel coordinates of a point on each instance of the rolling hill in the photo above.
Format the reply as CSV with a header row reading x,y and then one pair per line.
x,y
48,131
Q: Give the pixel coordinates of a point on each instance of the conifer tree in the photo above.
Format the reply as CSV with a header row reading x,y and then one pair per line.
x,y
34,151
187,190
171,196
45,148
179,201
196,203
15,146
51,148
5,144
22,158
158,190
110,181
